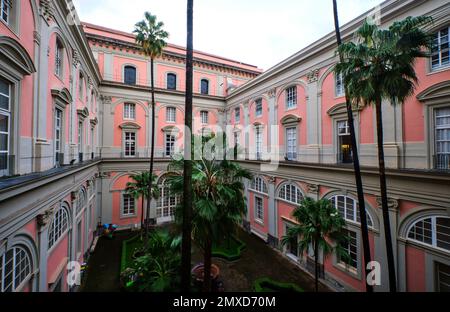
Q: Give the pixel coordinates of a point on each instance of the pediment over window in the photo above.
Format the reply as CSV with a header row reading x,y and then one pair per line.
x,y
170,129
63,95
83,113
13,53
290,119
341,109
436,92
130,126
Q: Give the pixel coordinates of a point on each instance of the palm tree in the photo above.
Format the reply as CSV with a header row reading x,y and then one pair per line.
x,y
380,66
219,201
139,189
187,172
318,224
151,37
356,164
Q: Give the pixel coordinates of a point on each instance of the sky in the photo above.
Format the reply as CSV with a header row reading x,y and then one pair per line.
x,y
257,32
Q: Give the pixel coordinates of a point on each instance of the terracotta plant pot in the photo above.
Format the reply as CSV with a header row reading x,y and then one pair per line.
x,y
199,272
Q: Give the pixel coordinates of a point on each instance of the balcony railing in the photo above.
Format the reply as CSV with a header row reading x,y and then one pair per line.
x,y
441,162
135,155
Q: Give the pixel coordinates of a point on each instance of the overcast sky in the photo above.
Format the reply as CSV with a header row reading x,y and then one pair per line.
x,y
258,32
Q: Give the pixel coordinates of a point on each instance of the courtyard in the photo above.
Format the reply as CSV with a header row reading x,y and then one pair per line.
x,y
258,261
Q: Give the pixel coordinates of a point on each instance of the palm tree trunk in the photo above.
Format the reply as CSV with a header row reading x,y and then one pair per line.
x,y
142,213
152,149
207,256
316,264
356,164
384,199
187,186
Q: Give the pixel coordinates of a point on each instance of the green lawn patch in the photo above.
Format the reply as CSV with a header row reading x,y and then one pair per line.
x,y
229,250
268,285
128,249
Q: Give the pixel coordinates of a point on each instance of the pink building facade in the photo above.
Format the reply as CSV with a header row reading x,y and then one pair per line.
x,y
75,125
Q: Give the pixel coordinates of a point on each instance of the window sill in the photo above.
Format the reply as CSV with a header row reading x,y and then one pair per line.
x,y
124,217
348,270
291,109
439,70
259,222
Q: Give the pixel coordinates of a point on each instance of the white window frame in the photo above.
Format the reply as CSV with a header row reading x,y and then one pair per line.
x,y
354,255
59,58
439,51
237,115
291,194
128,206
201,86
5,10
434,232
58,131
79,238
7,114
339,86
351,209
259,142
258,108
21,269
80,86
438,276
167,81
259,185
169,144
204,116
59,227
171,114
443,156
291,143
166,204
259,209
291,98
80,136
129,143
129,111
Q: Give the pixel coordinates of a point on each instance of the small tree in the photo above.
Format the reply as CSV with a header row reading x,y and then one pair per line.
x,y
319,225
139,189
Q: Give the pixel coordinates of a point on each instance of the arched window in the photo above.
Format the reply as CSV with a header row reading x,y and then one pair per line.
x,y
171,81
81,200
349,209
15,269
204,86
432,231
130,75
81,86
291,193
259,185
166,204
59,226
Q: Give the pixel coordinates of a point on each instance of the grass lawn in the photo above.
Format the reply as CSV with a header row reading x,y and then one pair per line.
x,y
128,249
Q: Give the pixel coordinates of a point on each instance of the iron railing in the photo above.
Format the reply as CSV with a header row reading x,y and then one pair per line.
x,y
441,161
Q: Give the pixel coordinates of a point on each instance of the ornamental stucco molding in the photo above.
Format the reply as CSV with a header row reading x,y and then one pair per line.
x,y
313,76
47,10
272,93
76,58
106,99
45,218
392,203
313,189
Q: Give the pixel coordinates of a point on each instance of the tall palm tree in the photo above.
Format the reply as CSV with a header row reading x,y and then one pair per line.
x,y
219,201
318,223
139,187
356,164
187,172
152,39
380,66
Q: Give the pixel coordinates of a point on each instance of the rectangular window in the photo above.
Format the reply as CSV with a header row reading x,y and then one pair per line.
x,y
237,115
171,82
5,10
59,59
441,49
170,145
130,144
291,142
79,237
292,247
259,108
204,117
259,209
80,86
5,119
58,134
171,114
345,155
291,98
442,157
340,86
80,137
128,207
351,247
259,143
129,111
443,277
